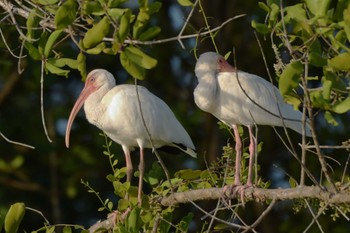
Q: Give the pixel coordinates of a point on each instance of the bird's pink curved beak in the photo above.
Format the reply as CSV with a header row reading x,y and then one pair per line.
x,y
88,89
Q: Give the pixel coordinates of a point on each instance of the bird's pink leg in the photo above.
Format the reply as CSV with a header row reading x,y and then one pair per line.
x,y
128,163
251,156
237,186
238,156
142,170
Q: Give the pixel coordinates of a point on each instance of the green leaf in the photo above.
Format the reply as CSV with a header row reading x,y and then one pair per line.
x,y
188,174
204,185
340,62
124,26
115,3
227,55
290,78
185,223
318,100
65,14
150,33
50,42
131,67
32,22
116,13
260,27
133,220
14,217
342,107
61,62
164,226
82,65
110,205
92,7
154,7
337,83
55,70
123,204
95,34
67,229
264,7
292,182
50,229
275,13
296,12
154,176
46,2
42,42
317,60
97,49
318,7
140,58
141,21
33,51
330,119
17,162
185,2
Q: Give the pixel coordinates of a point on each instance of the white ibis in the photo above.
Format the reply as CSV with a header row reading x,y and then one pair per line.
x,y
116,111
239,98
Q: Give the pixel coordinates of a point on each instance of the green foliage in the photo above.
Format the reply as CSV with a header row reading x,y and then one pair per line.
x,y
65,14
316,34
14,217
100,20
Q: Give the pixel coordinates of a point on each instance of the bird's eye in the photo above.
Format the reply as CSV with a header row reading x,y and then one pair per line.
x,y
92,79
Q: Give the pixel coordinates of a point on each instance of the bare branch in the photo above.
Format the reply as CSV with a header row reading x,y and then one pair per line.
x,y
16,143
259,195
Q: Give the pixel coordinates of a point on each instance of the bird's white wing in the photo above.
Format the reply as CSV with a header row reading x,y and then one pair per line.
x,y
252,99
128,127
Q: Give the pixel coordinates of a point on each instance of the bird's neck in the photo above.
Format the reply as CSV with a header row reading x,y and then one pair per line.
x,y
94,108
205,94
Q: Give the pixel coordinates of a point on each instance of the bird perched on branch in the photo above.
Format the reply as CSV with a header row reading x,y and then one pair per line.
x,y
130,115
239,98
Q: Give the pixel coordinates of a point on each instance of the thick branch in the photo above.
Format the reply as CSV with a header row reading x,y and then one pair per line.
x,y
259,195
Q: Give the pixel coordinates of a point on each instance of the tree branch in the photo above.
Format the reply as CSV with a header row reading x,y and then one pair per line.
x,y
259,195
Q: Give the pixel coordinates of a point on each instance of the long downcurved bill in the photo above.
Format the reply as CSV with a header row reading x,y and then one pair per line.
x,y
88,89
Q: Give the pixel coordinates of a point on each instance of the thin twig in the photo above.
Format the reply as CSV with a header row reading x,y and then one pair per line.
x,y
345,169
156,224
314,218
263,214
327,147
313,133
41,214
207,26
154,149
14,142
234,225
8,47
42,101
186,23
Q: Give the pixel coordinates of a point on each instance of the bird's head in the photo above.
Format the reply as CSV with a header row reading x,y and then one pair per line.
x,y
99,78
211,62
96,80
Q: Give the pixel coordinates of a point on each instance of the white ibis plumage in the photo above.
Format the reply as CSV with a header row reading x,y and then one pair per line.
x,y
116,111
239,98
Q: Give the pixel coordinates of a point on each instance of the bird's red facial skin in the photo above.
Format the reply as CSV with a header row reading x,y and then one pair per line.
x,y
224,66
